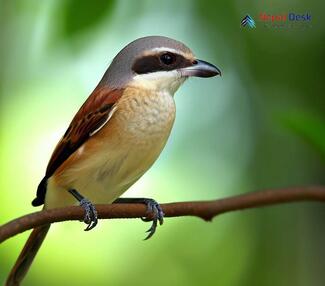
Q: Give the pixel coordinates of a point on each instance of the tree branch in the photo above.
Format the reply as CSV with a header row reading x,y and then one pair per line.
x,y
203,209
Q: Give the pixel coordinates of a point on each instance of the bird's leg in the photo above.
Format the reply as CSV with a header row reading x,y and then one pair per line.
x,y
90,211
153,208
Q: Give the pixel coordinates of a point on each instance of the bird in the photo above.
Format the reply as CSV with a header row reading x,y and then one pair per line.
x,y
116,136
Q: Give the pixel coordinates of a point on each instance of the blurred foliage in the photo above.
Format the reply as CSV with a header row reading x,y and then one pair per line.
x,y
308,127
226,140
80,16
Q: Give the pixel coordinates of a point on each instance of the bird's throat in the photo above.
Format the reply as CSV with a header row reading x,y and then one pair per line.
x,y
160,82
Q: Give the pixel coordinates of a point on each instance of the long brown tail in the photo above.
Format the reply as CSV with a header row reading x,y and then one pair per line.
x,y
27,255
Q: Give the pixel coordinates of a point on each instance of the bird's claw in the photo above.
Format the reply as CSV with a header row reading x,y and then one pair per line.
x,y
90,214
155,214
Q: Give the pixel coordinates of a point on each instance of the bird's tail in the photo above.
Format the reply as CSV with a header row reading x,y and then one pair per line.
x,y
27,255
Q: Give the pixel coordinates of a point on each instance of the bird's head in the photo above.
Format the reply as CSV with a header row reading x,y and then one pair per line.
x,y
158,63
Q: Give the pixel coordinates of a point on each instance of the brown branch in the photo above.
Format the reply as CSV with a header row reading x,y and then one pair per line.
x,y
203,209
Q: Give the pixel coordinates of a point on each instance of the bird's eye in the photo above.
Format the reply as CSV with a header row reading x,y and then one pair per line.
x,y
167,58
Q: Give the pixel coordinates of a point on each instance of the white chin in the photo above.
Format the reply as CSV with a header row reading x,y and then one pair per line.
x,y
163,81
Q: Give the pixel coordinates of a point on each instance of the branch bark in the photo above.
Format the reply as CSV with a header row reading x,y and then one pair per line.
x,y
203,209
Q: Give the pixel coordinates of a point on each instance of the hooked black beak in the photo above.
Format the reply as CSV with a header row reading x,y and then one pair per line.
x,y
200,69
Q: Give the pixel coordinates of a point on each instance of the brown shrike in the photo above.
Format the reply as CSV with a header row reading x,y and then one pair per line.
x,y
116,136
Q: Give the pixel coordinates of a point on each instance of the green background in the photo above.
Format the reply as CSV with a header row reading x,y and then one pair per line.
x,y
261,125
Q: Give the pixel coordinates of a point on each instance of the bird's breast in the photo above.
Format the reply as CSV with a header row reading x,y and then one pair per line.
x,y
136,135
145,116
143,121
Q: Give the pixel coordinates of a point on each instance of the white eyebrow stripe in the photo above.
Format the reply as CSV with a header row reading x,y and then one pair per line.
x,y
165,49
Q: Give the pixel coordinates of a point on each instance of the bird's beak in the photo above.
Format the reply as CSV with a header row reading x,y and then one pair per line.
x,y
200,69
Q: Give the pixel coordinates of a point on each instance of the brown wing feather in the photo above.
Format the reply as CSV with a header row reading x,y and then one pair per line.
x,y
91,116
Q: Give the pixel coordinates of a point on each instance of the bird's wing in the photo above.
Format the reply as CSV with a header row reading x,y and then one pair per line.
x,y
91,117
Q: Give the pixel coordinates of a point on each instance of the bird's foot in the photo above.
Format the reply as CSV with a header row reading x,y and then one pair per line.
x,y
154,211
90,214
90,211
155,214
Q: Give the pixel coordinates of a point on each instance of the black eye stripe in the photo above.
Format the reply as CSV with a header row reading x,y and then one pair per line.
x,y
147,64
153,63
